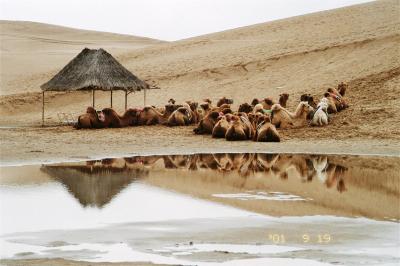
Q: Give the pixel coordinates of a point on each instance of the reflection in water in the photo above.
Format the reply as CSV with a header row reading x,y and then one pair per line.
x,y
95,183
330,184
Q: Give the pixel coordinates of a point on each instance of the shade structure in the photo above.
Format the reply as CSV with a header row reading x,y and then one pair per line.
x,y
94,69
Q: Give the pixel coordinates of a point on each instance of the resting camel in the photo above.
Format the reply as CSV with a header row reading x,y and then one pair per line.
x,y
342,102
265,131
183,116
207,124
320,116
282,118
224,100
91,119
240,128
112,119
221,126
334,104
150,116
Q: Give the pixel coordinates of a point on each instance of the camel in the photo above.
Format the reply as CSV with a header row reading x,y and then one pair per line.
x,y
266,102
320,116
183,116
265,131
334,104
207,124
283,98
91,119
224,100
282,118
240,128
194,113
150,116
113,120
245,108
342,102
221,126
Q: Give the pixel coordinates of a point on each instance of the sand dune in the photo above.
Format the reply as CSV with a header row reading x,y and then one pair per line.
x,y
30,50
357,44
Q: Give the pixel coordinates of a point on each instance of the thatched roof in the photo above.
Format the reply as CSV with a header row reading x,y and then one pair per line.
x,y
94,69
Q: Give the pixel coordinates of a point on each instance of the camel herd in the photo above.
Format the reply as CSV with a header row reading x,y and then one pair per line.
x,y
257,121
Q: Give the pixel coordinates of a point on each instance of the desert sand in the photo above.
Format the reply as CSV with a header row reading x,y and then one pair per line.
x,y
304,54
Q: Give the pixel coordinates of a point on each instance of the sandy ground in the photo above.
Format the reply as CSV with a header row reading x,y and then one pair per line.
x,y
356,44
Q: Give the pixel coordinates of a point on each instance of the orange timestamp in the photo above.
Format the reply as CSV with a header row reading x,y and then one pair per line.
x,y
305,238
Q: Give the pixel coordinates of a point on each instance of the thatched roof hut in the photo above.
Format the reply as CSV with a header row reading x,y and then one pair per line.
x,y
94,69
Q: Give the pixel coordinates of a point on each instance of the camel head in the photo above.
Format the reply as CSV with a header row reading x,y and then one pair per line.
x,y
171,101
205,106
193,105
207,100
342,87
90,110
245,107
224,100
269,101
283,98
306,108
255,101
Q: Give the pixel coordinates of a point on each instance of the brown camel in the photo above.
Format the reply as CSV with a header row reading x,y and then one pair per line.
x,y
112,119
282,118
334,103
180,117
265,131
245,108
221,126
150,116
224,100
267,103
207,124
240,128
342,102
283,98
91,119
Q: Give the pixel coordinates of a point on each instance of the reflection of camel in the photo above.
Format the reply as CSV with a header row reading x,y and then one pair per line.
x,y
306,167
95,183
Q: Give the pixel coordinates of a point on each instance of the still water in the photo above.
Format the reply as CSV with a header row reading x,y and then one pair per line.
x,y
228,209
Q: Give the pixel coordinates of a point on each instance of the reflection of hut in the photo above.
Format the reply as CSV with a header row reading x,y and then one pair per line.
x,y
93,185
94,70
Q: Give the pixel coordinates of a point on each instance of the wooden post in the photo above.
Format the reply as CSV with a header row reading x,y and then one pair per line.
x,y
144,97
93,98
126,100
42,108
111,98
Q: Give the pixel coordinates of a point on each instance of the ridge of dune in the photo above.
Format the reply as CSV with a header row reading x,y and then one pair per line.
x,y
29,50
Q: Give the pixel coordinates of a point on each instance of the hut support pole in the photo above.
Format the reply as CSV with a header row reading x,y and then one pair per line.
x,y
126,100
144,97
42,108
93,98
111,97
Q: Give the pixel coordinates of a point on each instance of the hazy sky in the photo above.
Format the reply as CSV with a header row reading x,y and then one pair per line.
x,y
161,19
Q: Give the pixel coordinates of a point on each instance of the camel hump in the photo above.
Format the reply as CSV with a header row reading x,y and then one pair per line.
x,y
271,135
